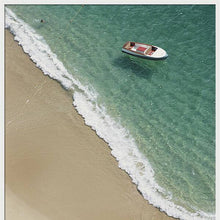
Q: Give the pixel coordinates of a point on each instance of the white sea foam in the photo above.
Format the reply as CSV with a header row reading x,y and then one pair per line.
x,y
123,146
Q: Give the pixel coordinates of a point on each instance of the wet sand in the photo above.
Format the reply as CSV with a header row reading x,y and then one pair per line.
x,y
56,166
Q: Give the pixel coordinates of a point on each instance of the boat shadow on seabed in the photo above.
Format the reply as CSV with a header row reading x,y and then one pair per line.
x,y
140,67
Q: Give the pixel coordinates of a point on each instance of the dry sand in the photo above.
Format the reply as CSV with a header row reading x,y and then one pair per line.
x,y
56,166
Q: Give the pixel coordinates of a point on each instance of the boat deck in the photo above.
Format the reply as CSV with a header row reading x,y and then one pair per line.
x,y
139,48
145,49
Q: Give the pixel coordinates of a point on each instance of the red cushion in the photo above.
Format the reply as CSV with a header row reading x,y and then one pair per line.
x,y
141,49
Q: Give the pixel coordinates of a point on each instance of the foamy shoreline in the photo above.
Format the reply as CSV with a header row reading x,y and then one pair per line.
x,y
56,167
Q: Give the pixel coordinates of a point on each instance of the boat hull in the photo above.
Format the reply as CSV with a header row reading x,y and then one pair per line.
x,y
143,56
144,51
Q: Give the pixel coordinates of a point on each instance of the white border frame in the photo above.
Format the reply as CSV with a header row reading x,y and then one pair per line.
x,y
109,2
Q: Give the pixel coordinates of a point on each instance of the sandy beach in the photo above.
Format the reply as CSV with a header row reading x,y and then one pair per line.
x,y
56,166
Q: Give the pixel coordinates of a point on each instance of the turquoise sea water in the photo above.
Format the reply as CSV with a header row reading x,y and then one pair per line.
x,y
165,109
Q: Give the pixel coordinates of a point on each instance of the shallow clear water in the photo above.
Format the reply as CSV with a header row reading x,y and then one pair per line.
x,y
167,107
